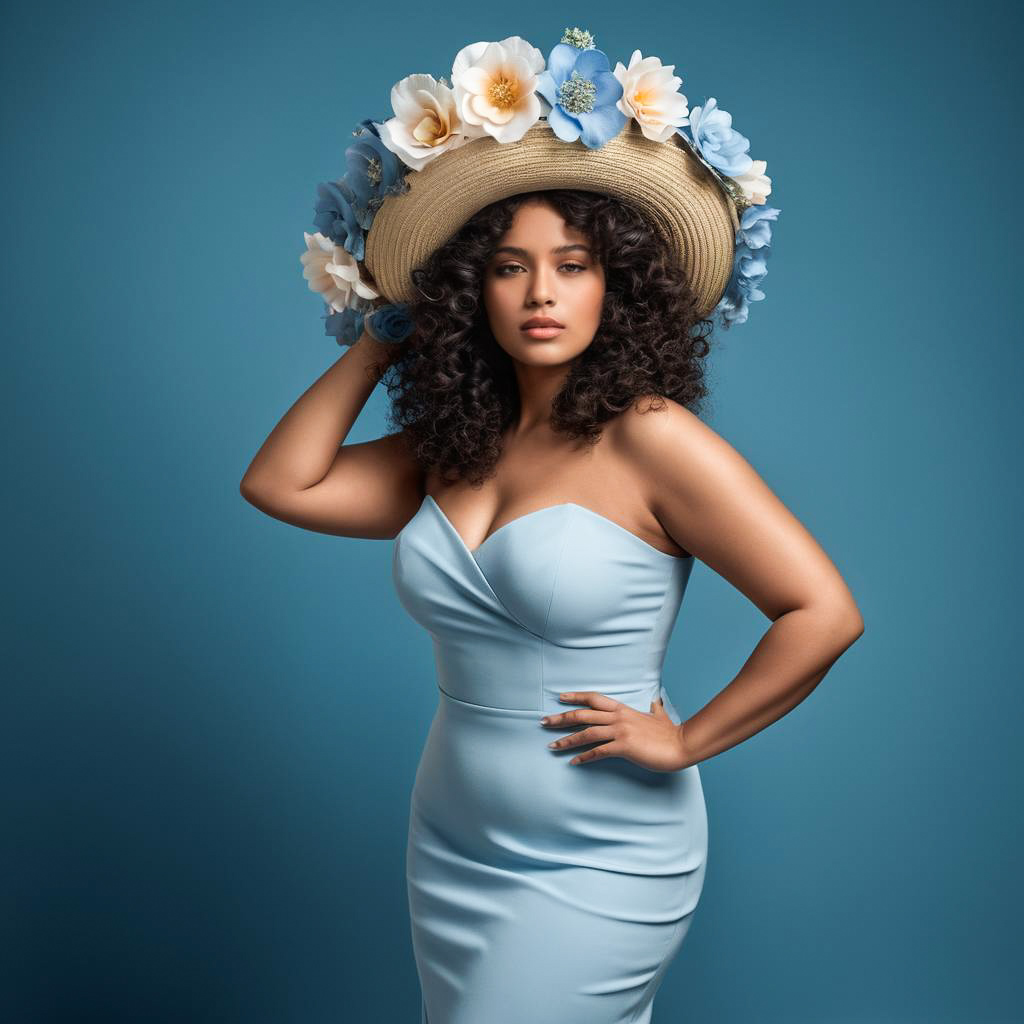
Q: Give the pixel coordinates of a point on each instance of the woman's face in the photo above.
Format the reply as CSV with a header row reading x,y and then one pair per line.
x,y
542,267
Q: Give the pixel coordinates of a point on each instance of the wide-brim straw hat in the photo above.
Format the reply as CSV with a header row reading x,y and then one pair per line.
x,y
663,180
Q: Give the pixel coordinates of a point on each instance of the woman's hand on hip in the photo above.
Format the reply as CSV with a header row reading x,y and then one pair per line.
x,y
651,740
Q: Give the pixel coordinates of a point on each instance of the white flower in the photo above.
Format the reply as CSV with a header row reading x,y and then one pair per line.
x,y
650,94
332,271
495,88
426,122
756,185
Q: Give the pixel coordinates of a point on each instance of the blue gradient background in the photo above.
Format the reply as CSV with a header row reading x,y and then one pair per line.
x,y
212,720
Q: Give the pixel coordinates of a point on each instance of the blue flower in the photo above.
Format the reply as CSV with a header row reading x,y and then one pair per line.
x,y
336,217
583,93
345,327
755,229
715,139
345,209
391,322
750,264
373,172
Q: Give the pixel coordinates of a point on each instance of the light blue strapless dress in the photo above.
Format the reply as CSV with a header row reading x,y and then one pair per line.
x,y
542,892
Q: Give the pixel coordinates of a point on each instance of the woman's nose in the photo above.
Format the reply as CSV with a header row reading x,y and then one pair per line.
x,y
540,290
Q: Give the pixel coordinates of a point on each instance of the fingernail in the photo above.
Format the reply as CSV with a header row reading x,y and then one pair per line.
x,y
544,721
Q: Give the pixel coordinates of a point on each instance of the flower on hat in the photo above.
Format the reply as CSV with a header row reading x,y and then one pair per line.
x,y
426,122
391,322
753,246
755,185
373,172
345,326
717,141
336,217
650,95
333,272
755,228
583,92
495,88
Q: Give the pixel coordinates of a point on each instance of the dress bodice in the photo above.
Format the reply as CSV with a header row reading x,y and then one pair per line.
x,y
559,598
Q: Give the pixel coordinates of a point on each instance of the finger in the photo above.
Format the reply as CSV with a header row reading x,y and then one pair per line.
x,y
592,735
566,718
604,750
591,697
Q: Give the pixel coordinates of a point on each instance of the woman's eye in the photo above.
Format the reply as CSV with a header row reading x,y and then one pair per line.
x,y
515,266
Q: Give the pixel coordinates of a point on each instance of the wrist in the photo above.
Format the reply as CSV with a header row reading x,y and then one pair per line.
x,y
368,342
686,754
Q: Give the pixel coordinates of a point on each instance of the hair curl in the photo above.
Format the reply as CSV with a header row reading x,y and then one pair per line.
x,y
452,387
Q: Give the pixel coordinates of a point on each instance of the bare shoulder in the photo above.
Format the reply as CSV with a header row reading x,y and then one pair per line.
x,y
677,461
660,436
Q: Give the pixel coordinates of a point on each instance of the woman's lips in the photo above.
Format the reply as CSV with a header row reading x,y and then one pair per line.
x,y
542,332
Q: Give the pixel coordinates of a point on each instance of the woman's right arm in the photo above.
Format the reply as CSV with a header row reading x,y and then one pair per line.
x,y
304,473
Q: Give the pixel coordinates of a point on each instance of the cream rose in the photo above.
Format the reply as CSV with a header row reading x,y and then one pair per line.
x,y
650,95
426,122
331,271
495,88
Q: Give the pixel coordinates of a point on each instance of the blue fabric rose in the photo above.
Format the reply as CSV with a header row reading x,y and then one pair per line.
x,y
717,141
390,322
583,93
750,264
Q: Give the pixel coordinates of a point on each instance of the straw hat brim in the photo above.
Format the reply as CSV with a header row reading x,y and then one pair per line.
x,y
664,180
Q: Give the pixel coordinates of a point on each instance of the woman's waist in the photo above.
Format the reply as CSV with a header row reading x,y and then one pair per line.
x,y
530,683
487,778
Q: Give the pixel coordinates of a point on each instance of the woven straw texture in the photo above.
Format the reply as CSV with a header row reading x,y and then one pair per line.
x,y
664,180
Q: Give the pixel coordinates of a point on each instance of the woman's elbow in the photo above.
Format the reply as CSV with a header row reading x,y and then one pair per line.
x,y
844,622
252,492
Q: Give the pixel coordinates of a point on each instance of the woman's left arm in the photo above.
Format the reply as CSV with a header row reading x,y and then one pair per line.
x,y
713,503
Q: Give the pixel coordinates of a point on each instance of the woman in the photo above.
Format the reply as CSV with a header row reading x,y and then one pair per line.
x,y
547,272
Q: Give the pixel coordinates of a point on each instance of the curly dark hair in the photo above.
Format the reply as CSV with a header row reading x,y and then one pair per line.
x,y
452,387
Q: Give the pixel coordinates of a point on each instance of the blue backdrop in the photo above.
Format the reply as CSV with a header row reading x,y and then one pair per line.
x,y
212,719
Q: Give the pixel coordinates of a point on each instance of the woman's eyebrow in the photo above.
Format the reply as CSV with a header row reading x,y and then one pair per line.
x,y
515,250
